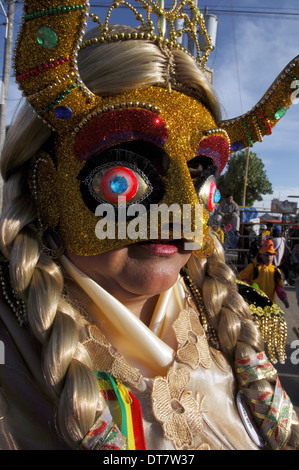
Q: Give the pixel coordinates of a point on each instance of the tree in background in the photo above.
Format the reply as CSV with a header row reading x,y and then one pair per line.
x,y
232,181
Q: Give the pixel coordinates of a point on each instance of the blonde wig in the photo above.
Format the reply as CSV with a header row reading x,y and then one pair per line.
x,y
38,279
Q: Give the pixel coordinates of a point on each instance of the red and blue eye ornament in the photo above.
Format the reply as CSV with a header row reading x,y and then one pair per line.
x,y
119,175
216,147
118,182
109,183
214,196
209,195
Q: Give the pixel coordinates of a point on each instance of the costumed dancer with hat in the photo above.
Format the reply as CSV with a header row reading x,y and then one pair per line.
x,y
263,274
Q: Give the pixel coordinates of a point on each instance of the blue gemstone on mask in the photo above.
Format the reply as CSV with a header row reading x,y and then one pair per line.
x,y
119,184
237,146
63,112
217,196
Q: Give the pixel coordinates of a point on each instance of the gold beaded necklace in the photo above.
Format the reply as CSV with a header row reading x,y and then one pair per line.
x,y
209,330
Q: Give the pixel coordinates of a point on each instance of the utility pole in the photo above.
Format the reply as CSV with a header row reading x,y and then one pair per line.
x,y
9,23
246,176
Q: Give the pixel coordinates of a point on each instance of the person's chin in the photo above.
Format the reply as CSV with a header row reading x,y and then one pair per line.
x,y
152,280
155,266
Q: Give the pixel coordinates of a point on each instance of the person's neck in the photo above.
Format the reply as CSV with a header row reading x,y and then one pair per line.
x,y
142,308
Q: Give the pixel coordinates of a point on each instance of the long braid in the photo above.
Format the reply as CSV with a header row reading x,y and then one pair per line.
x,y
226,310
39,281
229,314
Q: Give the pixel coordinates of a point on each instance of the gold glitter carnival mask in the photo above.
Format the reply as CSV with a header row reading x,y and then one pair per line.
x,y
136,145
136,150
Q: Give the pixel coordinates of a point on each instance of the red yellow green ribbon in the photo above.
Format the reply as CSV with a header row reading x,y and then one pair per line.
x,y
125,410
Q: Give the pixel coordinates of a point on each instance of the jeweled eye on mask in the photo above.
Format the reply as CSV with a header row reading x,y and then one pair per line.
x,y
108,184
120,172
204,175
209,195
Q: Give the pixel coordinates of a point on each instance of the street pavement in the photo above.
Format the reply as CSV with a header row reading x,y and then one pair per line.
x,y
289,372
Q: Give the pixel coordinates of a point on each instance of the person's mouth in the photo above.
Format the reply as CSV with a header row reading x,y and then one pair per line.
x,y
161,247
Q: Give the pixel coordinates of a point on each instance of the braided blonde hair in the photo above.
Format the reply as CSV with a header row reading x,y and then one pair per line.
x,y
227,311
39,280
229,314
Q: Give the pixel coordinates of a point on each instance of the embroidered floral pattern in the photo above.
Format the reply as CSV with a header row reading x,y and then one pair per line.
x,y
193,346
203,447
107,359
176,409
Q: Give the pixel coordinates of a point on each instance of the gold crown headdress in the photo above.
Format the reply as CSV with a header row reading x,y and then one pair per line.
x,y
47,71
52,35
159,25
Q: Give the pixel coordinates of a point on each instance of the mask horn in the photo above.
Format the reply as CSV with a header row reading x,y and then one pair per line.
x,y
46,61
245,130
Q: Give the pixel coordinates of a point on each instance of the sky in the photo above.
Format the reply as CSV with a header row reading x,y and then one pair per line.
x,y
255,40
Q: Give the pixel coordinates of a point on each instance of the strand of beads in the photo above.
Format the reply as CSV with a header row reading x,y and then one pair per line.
x,y
53,11
210,332
248,134
12,299
257,129
42,68
57,101
267,122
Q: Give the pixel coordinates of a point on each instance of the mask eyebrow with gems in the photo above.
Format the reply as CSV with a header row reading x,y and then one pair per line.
x,y
115,127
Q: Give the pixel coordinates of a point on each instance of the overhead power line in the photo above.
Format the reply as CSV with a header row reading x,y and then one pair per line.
x,y
245,11
254,12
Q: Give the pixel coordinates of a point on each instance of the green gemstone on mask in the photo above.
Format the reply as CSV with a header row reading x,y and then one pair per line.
x,y
280,113
46,37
